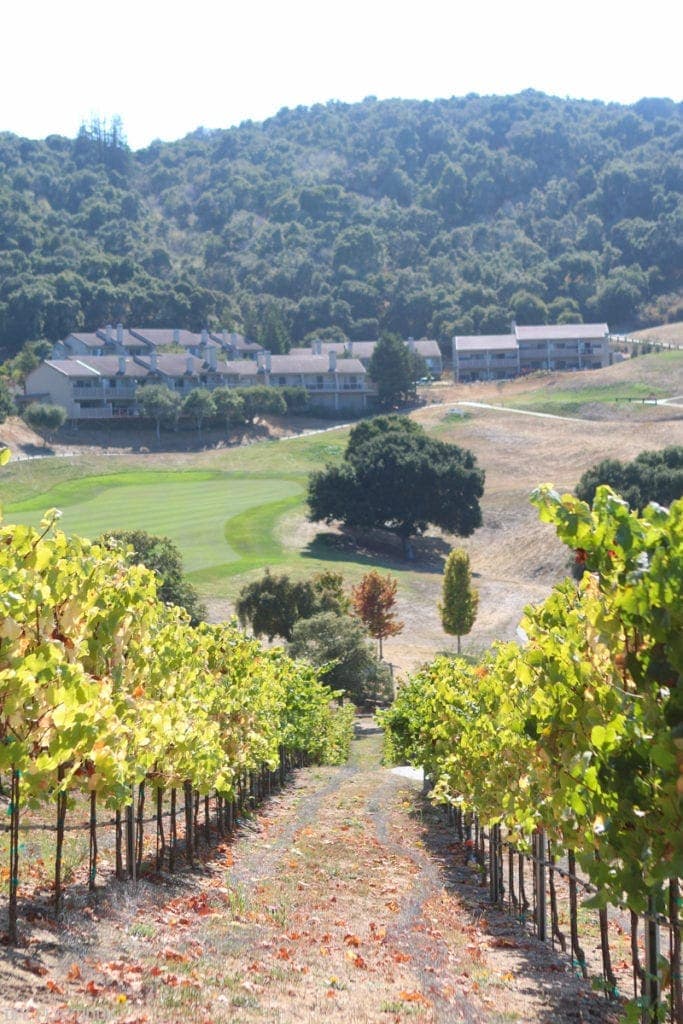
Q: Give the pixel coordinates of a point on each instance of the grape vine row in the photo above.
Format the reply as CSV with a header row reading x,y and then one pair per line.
x,y
104,689
579,732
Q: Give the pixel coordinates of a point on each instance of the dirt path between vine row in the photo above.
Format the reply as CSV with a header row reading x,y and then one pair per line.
x,y
346,900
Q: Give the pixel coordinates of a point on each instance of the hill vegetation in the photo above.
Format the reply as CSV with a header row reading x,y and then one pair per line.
x,y
236,509
416,217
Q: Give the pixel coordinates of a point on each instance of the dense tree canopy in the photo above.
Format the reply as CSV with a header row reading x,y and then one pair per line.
x,y
200,406
651,476
159,403
44,418
422,218
6,403
395,369
340,643
162,556
273,604
395,477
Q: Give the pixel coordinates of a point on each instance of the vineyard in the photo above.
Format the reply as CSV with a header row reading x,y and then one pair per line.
x,y
106,693
575,739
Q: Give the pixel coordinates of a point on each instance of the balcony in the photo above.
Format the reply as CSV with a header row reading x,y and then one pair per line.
x,y
93,412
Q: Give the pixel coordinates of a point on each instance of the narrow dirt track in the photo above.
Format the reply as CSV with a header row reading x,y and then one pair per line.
x,y
345,900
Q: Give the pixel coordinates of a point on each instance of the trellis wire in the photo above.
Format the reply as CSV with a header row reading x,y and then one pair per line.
x,y
129,822
646,977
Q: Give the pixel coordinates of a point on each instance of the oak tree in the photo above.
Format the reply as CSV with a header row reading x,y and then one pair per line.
x,y
651,476
340,645
395,477
159,403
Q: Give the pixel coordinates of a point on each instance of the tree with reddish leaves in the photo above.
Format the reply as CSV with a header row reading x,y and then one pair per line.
x,y
373,601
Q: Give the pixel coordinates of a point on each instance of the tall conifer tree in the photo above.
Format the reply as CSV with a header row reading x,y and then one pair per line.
x,y
460,599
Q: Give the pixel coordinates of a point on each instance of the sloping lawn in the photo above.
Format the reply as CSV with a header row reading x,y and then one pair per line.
x,y
194,508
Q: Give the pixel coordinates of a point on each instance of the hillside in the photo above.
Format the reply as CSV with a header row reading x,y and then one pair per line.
x,y
427,218
516,558
666,334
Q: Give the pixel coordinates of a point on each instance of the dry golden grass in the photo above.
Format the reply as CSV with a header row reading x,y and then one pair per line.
x,y
670,334
515,558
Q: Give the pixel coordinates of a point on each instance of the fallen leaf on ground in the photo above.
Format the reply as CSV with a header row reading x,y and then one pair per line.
x,y
502,943
35,967
174,954
412,997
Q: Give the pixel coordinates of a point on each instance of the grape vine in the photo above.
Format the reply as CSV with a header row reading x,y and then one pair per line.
x,y
580,731
104,689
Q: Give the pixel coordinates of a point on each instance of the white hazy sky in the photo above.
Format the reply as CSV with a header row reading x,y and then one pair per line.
x,y
166,69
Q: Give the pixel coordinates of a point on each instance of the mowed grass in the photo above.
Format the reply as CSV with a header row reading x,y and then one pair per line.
x,y
235,512
196,509
571,401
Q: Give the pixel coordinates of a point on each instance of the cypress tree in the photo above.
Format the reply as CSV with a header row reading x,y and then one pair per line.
x,y
460,599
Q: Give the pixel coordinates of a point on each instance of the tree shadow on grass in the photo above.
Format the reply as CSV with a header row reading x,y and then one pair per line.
x,y
378,548
30,449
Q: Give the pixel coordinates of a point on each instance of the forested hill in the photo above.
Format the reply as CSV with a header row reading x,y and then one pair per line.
x,y
427,218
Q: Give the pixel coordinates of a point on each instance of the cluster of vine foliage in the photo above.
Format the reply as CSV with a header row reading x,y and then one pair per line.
x,y
579,731
103,686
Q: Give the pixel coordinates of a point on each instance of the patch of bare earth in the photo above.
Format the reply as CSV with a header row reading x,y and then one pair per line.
x,y
346,899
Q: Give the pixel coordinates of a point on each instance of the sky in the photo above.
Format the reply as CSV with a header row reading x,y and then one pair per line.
x,y
166,70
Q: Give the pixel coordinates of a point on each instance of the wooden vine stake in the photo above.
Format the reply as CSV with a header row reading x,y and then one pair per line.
x,y
161,840
140,829
578,955
173,830
13,857
607,972
675,950
59,851
651,1013
523,901
556,931
119,846
92,864
189,818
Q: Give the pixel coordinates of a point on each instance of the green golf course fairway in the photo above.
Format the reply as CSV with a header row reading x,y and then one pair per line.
x,y
222,522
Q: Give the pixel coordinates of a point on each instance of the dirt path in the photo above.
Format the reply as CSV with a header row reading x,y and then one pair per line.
x,y
345,900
